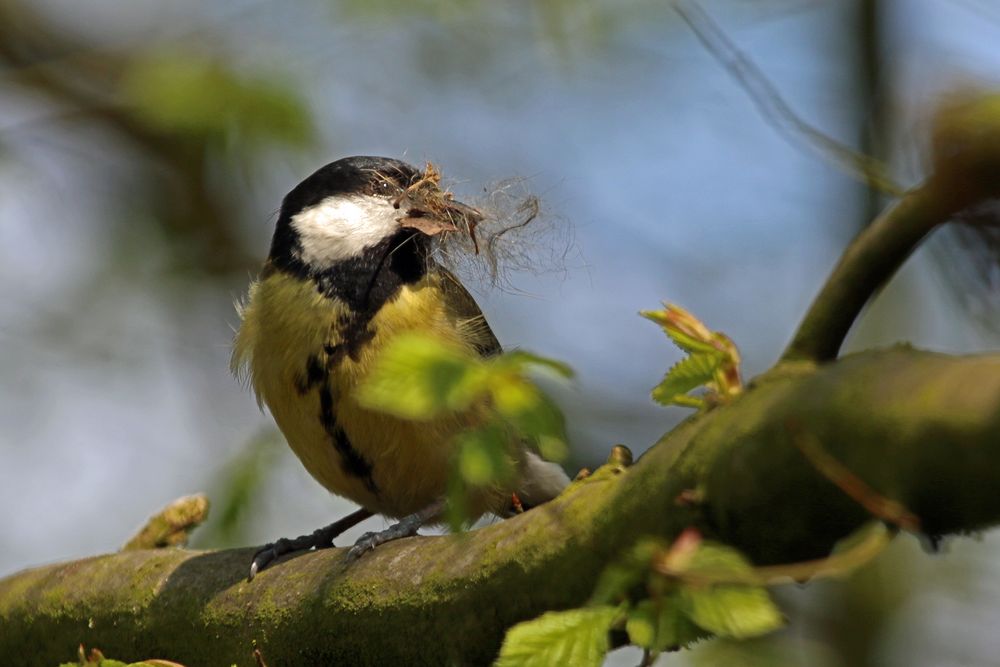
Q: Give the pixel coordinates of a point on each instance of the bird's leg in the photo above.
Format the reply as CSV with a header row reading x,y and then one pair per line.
x,y
407,527
321,538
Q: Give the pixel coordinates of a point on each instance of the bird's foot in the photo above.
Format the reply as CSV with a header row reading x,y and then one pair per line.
x,y
321,538
407,527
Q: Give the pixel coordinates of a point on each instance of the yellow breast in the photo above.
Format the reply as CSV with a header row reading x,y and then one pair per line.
x,y
291,343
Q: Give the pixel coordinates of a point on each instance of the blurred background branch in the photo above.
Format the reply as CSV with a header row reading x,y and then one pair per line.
x,y
179,112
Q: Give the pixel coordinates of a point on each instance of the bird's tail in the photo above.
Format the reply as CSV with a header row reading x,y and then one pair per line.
x,y
541,480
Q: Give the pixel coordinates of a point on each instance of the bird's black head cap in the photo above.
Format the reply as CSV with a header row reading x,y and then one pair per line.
x,y
360,174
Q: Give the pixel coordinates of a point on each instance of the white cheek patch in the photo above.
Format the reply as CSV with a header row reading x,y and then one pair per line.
x,y
342,226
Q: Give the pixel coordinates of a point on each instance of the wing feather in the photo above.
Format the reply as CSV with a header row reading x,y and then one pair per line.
x,y
470,318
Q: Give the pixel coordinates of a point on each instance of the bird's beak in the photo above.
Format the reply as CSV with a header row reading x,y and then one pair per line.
x,y
441,215
432,211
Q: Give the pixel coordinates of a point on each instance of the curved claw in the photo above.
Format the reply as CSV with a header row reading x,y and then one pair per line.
x,y
319,539
274,550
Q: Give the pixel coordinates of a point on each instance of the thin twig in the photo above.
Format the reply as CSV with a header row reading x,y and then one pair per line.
x,y
837,564
887,509
775,109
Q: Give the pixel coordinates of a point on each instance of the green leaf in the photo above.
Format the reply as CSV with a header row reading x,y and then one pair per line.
x,y
577,637
732,611
687,374
457,510
482,460
418,377
688,343
519,359
532,413
641,624
874,532
482,455
183,94
717,559
617,580
688,402
620,577
552,448
661,625
728,610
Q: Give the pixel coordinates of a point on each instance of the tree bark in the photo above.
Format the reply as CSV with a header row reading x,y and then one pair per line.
x,y
919,428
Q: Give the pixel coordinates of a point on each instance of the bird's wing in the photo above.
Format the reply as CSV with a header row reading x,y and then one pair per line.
x,y
541,480
467,312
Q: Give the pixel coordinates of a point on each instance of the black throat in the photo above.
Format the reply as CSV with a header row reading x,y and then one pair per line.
x,y
366,282
363,283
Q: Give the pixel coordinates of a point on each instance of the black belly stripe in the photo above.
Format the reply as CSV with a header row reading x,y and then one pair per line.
x,y
351,460
316,374
356,331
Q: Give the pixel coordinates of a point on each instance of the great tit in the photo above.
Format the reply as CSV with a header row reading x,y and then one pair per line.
x,y
350,268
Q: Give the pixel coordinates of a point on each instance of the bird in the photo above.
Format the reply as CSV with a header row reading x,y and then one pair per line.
x,y
351,268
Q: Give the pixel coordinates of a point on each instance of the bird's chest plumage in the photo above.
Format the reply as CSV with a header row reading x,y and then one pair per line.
x,y
307,352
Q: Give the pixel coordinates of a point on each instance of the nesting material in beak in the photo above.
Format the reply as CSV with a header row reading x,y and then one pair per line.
x,y
484,242
432,211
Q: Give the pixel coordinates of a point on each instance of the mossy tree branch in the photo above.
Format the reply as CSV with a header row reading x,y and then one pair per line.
x,y
921,428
